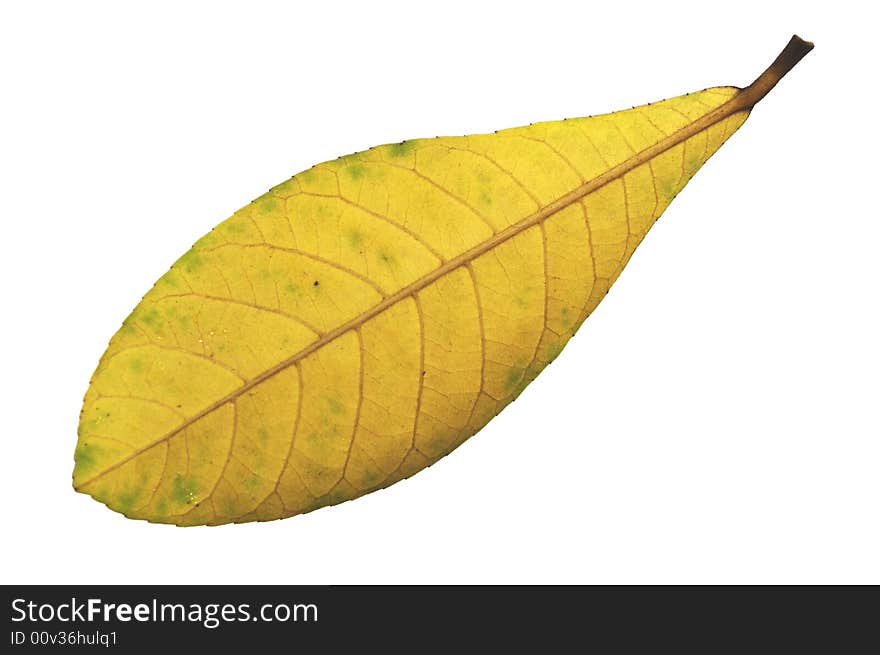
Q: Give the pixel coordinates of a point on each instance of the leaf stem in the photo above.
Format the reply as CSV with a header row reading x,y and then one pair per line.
x,y
796,49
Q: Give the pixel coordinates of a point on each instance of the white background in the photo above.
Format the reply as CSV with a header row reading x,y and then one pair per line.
x,y
714,421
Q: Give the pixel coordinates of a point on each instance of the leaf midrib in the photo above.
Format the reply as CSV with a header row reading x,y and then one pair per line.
x,y
742,101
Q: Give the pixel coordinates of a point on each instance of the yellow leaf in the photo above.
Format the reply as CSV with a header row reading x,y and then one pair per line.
x,y
359,321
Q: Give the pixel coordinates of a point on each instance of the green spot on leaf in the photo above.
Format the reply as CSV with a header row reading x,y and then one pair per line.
x,y
151,318
170,278
191,261
335,406
233,226
229,507
512,379
267,204
84,457
566,316
184,489
127,497
401,149
284,187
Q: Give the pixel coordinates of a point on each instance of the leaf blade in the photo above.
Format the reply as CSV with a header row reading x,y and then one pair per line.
x,y
458,228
